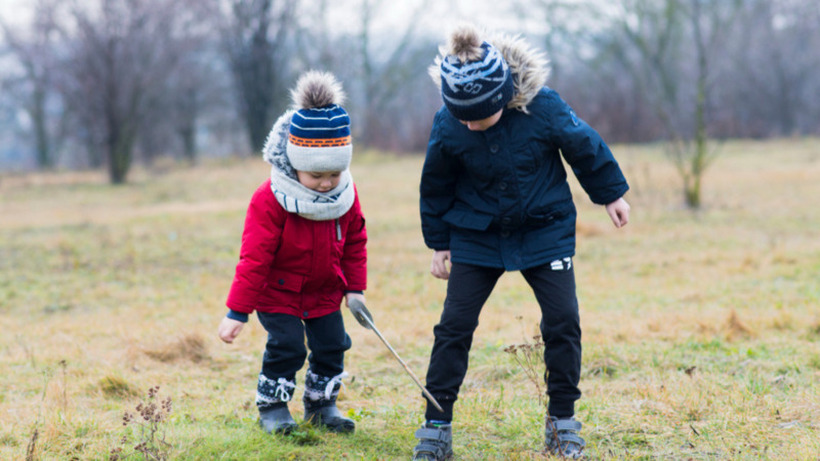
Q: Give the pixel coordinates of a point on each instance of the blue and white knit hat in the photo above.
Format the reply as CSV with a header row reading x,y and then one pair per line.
x,y
476,81
319,134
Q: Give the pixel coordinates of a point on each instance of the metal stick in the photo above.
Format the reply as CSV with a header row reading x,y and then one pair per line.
x,y
406,368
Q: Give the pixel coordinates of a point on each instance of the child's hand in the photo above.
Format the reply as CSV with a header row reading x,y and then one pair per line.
x,y
229,329
349,296
618,212
355,302
439,265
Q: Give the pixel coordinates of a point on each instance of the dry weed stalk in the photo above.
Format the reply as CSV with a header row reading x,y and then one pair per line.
x,y
48,373
530,357
31,449
151,442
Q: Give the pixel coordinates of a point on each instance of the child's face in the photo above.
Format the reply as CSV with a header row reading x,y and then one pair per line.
x,y
320,181
484,123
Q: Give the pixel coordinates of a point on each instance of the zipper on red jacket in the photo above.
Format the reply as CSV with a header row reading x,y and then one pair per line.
x,y
338,230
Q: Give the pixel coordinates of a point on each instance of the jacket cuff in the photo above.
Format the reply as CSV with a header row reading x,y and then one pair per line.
x,y
238,316
609,194
360,292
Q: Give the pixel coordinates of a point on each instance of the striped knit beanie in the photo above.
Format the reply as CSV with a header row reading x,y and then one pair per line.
x,y
319,133
476,81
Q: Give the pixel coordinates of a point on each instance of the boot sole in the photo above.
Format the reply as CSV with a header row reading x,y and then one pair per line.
x,y
347,427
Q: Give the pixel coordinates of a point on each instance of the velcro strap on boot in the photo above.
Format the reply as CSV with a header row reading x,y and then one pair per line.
x,y
566,431
567,425
435,435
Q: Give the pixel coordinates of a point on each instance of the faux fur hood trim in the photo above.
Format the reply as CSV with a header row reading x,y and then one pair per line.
x,y
275,148
529,66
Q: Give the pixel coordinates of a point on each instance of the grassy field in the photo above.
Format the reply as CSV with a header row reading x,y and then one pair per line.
x,y
701,330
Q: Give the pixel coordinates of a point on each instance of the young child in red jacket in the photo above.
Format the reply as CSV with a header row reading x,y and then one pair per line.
x,y
303,250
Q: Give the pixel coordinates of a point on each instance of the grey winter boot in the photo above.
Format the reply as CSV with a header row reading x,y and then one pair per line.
x,y
435,442
561,438
320,403
272,399
277,420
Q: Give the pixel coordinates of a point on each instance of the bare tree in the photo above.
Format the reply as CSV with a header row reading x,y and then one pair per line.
x,y
193,87
778,58
34,90
670,48
575,35
565,28
122,52
387,72
188,104
393,95
200,87
382,64
254,42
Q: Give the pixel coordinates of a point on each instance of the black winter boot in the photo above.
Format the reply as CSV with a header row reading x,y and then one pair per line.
x,y
272,399
277,420
320,403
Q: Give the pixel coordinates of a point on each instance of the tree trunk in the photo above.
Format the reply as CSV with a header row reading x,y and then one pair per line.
x,y
45,156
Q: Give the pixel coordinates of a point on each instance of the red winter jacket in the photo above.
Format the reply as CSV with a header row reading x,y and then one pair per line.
x,y
292,265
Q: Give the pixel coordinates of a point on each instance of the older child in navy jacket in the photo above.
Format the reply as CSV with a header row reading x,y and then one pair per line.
x,y
303,250
495,198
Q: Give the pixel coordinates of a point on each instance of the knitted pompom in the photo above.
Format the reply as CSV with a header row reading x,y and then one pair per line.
x,y
465,43
317,89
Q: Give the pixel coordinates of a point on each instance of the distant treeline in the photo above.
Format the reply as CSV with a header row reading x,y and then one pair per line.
x,y
102,83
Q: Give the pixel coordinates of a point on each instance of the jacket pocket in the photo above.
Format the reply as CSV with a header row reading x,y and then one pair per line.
x,y
546,215
287,281
467,219
530,160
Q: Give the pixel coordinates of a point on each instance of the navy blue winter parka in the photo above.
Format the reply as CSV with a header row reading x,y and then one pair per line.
x,y
500,198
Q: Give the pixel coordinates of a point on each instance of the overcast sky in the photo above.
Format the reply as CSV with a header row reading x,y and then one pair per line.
x,y
14,10
437,18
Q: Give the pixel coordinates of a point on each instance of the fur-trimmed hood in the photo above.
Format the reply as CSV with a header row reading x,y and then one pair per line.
x,y
529,66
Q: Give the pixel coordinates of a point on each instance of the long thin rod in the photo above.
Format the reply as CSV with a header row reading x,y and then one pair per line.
x,y
406,368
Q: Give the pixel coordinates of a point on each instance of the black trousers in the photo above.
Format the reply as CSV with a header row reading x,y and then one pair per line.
x,y
285,350
467,290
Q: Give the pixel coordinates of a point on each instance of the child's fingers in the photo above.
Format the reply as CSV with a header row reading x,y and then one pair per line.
x,y
439,265
619,218
618,212
229,329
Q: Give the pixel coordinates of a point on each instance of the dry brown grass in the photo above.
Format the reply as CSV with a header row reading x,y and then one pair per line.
x,y
700,329
190,348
